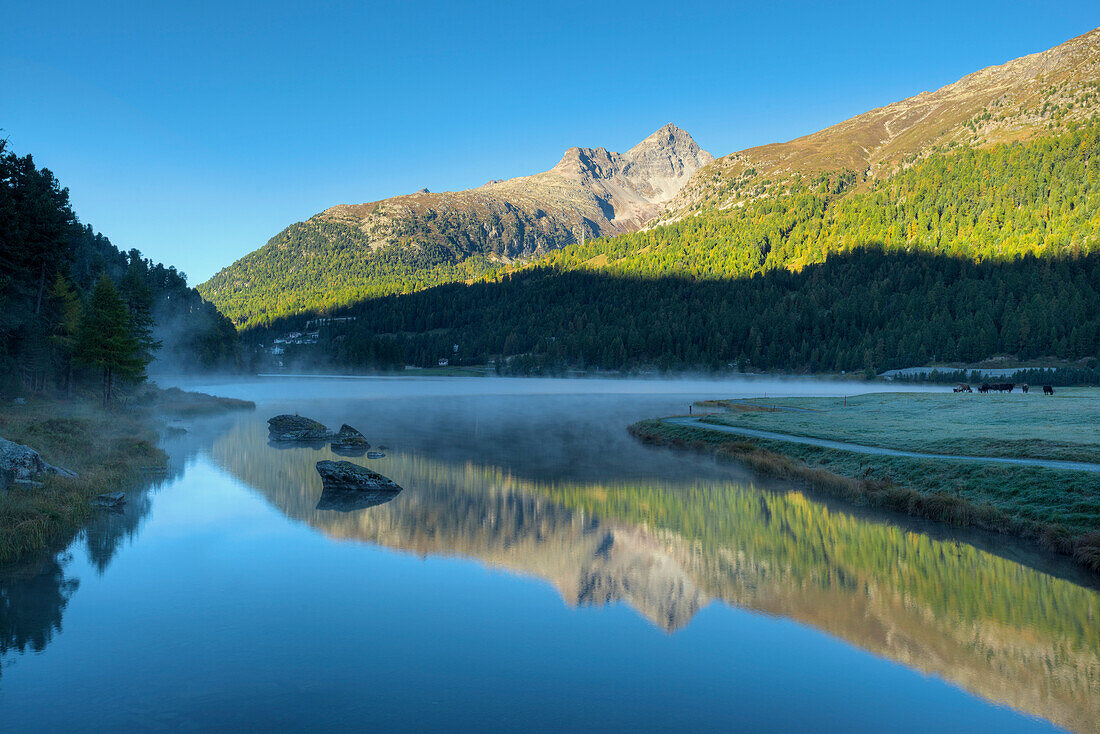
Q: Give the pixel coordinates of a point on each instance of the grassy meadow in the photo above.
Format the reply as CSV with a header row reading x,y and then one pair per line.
x,y
1057,508
1065,426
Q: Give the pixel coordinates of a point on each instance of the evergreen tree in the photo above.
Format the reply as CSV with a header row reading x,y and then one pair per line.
x,y
138,295
67,311
106,340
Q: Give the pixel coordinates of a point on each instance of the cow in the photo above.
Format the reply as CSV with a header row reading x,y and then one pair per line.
x,y
962,388
1048,390
984,388
1024,388
1003,386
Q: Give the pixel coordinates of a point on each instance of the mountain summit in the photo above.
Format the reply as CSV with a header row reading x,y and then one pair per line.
x,y
638,181
354,251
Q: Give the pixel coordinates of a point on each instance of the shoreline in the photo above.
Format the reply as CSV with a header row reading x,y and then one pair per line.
x,y
767,457
110,451
878,450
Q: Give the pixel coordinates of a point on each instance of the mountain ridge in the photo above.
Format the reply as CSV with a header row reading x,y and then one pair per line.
x,y
590,192
778,206
995,104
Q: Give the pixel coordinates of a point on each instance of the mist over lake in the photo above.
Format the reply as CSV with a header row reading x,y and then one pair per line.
x,y
540,569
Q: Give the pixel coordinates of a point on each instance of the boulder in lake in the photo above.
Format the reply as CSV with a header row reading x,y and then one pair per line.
x,y
348,476
19,463
349,438
349,487
296,428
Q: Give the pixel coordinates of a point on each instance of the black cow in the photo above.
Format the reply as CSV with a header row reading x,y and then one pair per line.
x,y
1048,390
984,387
1024,388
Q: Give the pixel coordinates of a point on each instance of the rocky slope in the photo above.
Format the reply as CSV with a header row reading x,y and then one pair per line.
x,y
409,242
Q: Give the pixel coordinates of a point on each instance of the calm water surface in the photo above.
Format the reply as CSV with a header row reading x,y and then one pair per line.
x,y
541,570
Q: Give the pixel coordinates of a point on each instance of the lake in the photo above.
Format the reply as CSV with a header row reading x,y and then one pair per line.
x,y
540,570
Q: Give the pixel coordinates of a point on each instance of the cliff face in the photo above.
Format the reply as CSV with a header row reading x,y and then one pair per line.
x,y
404,243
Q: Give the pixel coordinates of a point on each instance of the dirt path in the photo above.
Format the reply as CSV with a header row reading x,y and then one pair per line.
x,y
861,449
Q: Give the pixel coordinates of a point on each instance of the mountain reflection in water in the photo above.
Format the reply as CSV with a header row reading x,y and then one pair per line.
x,y
1003,630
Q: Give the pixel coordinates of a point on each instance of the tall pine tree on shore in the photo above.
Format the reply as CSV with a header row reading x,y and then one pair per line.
x,y
106,340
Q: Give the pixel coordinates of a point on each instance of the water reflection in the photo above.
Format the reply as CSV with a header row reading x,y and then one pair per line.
x,y
33,597
35,591
667,547
343,501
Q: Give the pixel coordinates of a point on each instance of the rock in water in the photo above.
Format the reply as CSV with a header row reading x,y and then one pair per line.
x,y
296,428
349,438
348,476
19,463
110,499
349,487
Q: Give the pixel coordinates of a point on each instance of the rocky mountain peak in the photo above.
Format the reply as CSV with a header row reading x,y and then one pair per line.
x,y
652,172
589,163
661,164
668,138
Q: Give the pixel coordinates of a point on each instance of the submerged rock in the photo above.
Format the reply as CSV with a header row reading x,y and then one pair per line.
x,y
19,463
110,499
348,450
348,487
349,438
296,428
375,455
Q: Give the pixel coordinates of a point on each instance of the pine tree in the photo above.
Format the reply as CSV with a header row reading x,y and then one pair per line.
x,y
67,311
105,339
137,294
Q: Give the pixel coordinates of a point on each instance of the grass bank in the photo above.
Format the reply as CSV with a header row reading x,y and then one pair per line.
x,y
1013,425
1058,510
110,450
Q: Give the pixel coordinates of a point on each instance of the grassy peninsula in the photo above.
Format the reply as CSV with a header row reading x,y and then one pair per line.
x,y
1057,508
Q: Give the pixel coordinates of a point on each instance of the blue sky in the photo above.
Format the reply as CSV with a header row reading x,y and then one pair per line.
x,y
196,131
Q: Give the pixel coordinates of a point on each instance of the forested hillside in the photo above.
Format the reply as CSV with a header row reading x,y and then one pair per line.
x,y
863,310
320,265
967,254
1040,197
70,300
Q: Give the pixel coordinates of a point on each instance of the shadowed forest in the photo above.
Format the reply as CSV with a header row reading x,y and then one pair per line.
x,y
867,310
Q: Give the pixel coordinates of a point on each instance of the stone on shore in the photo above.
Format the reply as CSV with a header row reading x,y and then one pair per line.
x,y
349,438
21,464
296,428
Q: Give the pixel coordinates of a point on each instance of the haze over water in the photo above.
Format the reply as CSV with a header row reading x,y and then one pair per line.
x,y
541,569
